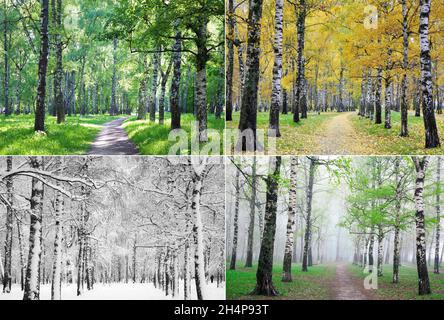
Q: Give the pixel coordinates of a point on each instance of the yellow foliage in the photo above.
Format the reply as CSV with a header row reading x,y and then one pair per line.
x,y
337,36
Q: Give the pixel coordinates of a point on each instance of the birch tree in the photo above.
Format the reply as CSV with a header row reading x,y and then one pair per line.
x,y
39,124
438,215
264,280
286,277
276,95
248,114
236,223
431,131
6,274
231,20
421,164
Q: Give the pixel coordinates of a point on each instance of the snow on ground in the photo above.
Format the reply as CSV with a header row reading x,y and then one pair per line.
x,y
116,291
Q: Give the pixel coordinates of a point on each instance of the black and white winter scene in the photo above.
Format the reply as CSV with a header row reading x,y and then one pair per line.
x,y
95,228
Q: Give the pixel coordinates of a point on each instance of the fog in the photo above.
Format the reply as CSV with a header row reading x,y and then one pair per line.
x,y
330,242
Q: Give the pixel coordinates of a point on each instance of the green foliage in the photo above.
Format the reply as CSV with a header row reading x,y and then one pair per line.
x,y
89,28
147,26
373,201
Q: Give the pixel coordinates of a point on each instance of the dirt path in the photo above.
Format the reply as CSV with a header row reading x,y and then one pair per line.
x,y
346,287
340,136
113,140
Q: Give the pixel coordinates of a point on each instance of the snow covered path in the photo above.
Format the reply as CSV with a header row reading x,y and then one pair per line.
x,y
114,291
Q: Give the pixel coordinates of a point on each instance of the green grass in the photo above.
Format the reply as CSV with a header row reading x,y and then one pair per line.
x,y
71,138
152,138
388,141
296,138
311,285
407,288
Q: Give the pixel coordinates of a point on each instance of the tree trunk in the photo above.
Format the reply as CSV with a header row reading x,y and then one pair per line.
x,y
186,273
231,20
309,197
368,98
378,107
199,272
236,223
8,110
284,101
380,250
388,90
21,254
18,92
240,58
370,250
264,280
421,262
286,276
299,97
249,260
438,215
39,123
163,83
56,284
153,96
248,114
417,98
32,283
363,95
201,79
387,250
114,109
431,130
366,245
276,93
81,240
341,90
405,63
58,75
7,276
141,110
175,82
135,259
396,256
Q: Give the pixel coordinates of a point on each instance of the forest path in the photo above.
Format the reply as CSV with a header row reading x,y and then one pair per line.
x,y
347,287
113,140
340,136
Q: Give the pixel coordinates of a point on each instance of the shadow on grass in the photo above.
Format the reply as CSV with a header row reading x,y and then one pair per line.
x,y
70,138
151,138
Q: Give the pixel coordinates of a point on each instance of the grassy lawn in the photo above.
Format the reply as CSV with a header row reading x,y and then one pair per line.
x,y
152,138
311,285
407,287
71,138
383,141
296,138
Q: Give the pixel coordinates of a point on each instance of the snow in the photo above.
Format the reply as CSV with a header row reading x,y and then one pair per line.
x,y
116,291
